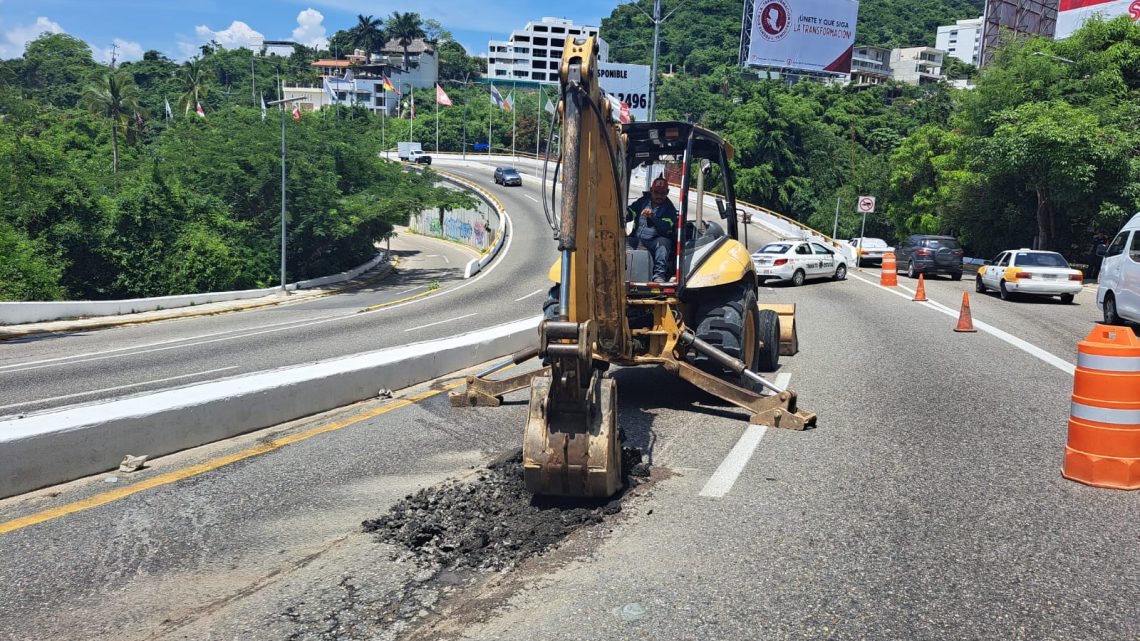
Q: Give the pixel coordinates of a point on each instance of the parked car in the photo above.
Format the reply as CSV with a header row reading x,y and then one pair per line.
x,y
419,157
795,261
870,250
507,176
1028,271
926,254
1118,295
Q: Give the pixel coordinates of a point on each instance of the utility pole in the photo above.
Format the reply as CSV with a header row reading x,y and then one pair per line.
x,y
656,19
282,104
114,54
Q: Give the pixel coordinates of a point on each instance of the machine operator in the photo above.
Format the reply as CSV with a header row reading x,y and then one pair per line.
x,y
656,225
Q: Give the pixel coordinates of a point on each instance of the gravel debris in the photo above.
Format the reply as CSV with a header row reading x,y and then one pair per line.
x,y
491,522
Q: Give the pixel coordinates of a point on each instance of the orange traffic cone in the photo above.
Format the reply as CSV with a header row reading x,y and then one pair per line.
x,y
965,320
920,293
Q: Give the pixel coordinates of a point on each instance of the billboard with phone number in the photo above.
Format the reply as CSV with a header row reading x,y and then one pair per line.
x,y
805,35
1072,14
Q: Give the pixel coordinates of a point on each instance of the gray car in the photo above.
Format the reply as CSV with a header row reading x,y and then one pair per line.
x,y
507,176
928,254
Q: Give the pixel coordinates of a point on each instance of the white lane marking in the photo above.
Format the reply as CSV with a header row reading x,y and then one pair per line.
x,y
782,380
412,329
537,291
722,480
63,360
1023,345
445,259
48,362
410,290
117,387
725,476
531,197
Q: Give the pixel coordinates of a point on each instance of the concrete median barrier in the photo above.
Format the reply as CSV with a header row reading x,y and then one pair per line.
x,y
55,447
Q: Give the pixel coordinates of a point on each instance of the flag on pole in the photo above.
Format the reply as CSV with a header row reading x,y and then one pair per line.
x,y
348,77
497,99
263,109
549,107
441,96
296,111
509,102
169,113
619,109
198,109
329,90
388,86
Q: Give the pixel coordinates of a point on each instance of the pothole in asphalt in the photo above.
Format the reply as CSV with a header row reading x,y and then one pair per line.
x,y
491,522
466,535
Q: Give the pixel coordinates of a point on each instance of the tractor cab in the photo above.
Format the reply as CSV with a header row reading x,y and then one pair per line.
x,y
683,154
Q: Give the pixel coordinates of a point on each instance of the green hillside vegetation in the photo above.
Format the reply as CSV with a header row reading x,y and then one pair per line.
x,y
193,204
1040,148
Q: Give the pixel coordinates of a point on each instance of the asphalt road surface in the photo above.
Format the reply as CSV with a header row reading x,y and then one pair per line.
x,y
927,504
47,371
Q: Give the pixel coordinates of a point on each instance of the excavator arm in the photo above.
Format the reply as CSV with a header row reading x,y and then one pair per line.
x,y
570,446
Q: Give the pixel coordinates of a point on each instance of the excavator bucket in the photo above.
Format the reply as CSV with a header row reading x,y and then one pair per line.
x,y
789,341
568,452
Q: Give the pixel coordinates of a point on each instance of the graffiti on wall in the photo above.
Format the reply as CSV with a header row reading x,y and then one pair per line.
x,y
464,226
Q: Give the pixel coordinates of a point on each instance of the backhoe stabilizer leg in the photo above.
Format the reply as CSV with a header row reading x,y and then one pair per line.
x,y
483,392
778,410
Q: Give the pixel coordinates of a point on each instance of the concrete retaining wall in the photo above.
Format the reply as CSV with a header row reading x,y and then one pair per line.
x,y
55,447
36,312
475,227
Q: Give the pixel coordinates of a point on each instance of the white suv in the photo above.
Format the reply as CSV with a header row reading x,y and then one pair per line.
x,y
1118,295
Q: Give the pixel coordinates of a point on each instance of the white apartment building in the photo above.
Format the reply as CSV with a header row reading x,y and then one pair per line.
x,y
962,40
533,53
917,65
870,66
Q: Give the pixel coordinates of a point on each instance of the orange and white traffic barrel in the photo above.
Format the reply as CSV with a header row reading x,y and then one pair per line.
x,y
1104,424
889,277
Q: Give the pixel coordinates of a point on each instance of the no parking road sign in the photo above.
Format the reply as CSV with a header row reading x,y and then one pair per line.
x,y
866,204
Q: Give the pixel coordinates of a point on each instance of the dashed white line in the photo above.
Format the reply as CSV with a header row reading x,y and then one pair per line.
x,y
412,329
116,388
537,291
410,290
722,480
1023,345
531,197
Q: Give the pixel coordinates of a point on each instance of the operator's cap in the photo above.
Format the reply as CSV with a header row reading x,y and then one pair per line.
x,y
660,185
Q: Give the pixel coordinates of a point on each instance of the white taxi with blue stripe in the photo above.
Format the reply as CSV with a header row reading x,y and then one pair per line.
x,y
795,261
1030,271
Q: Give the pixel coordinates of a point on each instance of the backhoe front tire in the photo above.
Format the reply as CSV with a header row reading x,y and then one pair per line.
x,y
729,320
769,357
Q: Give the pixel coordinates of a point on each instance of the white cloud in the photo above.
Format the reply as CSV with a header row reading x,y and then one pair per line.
x,y
238,34
310,29
14,40
126,50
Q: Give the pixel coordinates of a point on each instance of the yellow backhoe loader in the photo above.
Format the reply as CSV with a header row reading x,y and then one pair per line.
x,y
704,324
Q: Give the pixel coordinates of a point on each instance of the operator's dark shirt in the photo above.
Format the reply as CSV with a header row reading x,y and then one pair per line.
x,y
664,218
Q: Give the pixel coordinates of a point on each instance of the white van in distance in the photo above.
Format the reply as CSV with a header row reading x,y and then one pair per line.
x,y
1118,295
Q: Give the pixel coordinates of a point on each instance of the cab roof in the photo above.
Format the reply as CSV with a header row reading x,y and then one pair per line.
x,y
648,141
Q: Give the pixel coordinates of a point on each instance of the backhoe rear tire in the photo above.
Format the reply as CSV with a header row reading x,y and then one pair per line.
x,y
769,334
729,320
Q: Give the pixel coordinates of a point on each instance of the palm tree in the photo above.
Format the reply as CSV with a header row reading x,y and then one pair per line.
x,y
366,34
115,96
405,28
194,85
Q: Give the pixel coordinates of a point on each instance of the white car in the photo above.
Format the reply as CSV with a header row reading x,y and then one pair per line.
x,y
870,250
1118,294
1029,271
796,261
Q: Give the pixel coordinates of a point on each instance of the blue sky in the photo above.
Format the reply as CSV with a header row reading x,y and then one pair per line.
x,y
177,28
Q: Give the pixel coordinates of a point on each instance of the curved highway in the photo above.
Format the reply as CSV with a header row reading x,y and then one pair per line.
x,y
48,371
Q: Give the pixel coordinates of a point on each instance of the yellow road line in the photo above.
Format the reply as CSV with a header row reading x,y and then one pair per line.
x,y
213,464
398,301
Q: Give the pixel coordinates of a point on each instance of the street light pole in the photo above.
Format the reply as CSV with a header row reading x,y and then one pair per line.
x,y
283,102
